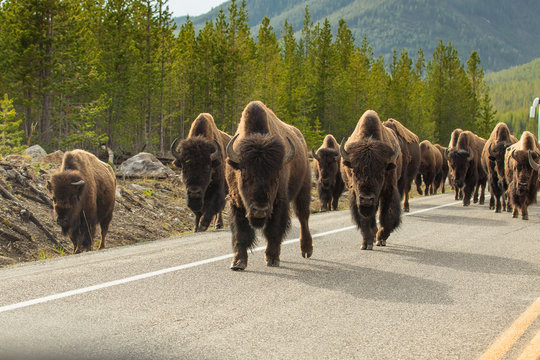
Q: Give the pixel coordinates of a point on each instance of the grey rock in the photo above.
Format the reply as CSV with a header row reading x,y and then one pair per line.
x,y
143,165
36,152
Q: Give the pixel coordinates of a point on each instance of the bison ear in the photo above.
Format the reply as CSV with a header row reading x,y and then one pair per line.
x,y
347,163
233,164
390,166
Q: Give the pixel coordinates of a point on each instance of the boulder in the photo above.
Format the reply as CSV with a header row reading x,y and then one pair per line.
x,y
143,165
36,152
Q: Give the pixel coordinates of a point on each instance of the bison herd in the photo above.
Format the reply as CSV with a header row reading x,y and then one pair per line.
x,y
264,168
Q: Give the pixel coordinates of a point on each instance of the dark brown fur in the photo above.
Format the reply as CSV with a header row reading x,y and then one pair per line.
x,y
452,144
204,178
83,192
330,185
465,160
430,167
263,179
410,158
493,164
443,174
370,166
522,179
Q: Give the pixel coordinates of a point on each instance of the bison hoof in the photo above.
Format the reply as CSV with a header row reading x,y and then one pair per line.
x,y
307,254
525,217
239,265
406,210
272,263
381,243
367,247
497,210
219,226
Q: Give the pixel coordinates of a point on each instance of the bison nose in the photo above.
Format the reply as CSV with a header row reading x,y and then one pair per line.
x,y
194,191
259,211
367,200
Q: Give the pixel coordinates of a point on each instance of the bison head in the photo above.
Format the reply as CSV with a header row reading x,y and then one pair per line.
x,y
496,153
258,162
371,162
459,161
328,162
66,188
525,170
200,161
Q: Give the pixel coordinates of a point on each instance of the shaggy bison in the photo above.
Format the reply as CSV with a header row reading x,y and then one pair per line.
x,y
521,171
83,193
410,158
201,157
465,160
452,144
267,168
430,168
443,174
330,185
493,163
370,166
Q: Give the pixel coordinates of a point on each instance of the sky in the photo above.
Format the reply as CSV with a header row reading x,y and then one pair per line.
x,y
192,7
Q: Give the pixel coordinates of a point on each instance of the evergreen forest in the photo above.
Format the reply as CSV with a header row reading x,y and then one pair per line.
x,y
79,73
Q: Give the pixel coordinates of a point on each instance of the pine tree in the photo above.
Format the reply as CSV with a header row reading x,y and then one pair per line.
x,y
10,128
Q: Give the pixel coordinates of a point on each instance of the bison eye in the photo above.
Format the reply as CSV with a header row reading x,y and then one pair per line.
x,y
390,166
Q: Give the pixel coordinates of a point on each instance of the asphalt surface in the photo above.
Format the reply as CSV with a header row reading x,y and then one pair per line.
x,y
450,281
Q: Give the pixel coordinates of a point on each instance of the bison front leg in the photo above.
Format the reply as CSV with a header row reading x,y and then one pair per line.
x,y
243,238
219,221
389,217
418,183
302,211
275,230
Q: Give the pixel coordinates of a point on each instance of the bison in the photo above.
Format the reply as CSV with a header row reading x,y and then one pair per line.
x,y
410,158
521,171
452,144
465,161
267,168
201,157
430,168
371,166
493,162
330,185
83,193
440,178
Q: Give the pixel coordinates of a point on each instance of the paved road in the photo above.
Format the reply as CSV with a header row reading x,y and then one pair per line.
x,y
449,284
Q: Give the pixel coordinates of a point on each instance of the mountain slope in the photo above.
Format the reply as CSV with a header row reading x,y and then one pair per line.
x,y
504,32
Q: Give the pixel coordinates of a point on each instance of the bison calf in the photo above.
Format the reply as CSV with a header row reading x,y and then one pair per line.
x,y
83,195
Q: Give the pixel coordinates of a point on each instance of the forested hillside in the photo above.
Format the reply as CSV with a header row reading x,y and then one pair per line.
x,y
78,73
513,91
504,32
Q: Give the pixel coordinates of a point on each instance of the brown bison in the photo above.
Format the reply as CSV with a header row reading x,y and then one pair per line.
x,y
410,158
330,185
443,174
267,168
201,156
452,144
83,193
465,161
371,166
493,163
430,167
521,171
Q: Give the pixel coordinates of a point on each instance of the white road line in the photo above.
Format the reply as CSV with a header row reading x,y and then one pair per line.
x,y
174,268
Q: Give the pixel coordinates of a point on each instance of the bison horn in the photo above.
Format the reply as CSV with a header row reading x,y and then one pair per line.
x,y
215,154
175,153
314,154
533,163
342,151
290,154
78,183
471,156
396,152
233,155
513,154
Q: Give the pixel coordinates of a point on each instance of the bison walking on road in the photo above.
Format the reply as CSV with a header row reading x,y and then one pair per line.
x,y
451,145
465,161
201,156
430,168
267,168
371,166
410,158
83,192
493,162
521,171
440,178
330,185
